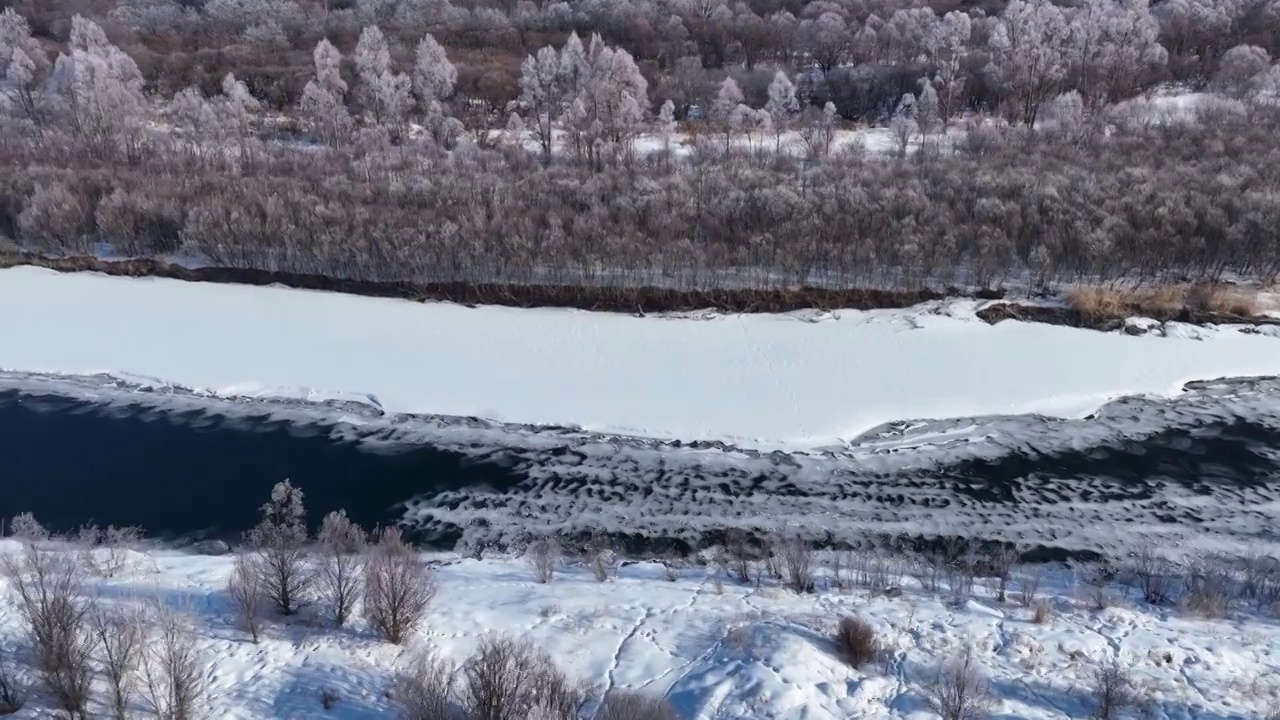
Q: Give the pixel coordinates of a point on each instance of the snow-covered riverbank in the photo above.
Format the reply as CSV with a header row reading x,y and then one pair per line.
x,y
720,650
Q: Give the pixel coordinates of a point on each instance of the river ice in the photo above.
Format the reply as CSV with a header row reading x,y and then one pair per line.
x,y
791,382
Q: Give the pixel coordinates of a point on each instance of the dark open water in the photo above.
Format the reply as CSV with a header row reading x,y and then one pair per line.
x,y
183,474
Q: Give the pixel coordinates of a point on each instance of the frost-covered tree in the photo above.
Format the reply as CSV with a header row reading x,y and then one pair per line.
x,y
818,130
150,16
724,107
238,16
573,68
666,123
947,44
540,94
383,93
613,92
96,89
782,106
927,107
516,130
434,77
1115,45
1030,48
337,565
191,112
323,98
279,544
237,106
828,40
1241,70
22,66
903,125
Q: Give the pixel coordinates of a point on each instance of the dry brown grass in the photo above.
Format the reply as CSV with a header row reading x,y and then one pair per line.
x,y
1098,302
1217,298
1163,302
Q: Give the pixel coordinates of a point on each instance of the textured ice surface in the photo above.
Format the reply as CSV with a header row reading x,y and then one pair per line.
x,y
1196,472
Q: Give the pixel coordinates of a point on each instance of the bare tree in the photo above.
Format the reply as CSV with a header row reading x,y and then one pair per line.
x,y
423,688
336,565
49,586
280,543
634,705
797,560
398,587
544,556
246,591
1112,690
739,554
121,637
507,678
959,690
172,672
1000,563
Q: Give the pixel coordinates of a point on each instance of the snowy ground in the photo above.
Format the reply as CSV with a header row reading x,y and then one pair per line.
x,y
738,652
795,381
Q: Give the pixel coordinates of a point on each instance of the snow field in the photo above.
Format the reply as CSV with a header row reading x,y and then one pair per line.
x,y
720,651
762,381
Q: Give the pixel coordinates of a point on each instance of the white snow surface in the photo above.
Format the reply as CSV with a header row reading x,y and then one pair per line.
x,y
716,651
791,381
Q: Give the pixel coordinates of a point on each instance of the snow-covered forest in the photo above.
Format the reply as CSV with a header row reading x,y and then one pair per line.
x,y
678,143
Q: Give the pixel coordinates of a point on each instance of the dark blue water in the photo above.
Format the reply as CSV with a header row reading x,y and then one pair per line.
x,y
197,473
194,474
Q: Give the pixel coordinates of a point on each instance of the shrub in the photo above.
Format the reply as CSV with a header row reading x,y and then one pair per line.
x,y
1042,613
508,678
337,563
398,588
959,690
121,637
1027,589
1210,588
1218,298
172,667
51,602
634,705
26,528
1112,690
856,642
424,688
245,589
1153,576
544,556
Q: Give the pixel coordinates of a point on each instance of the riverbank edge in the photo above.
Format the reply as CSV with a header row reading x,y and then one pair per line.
x,y
642,301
